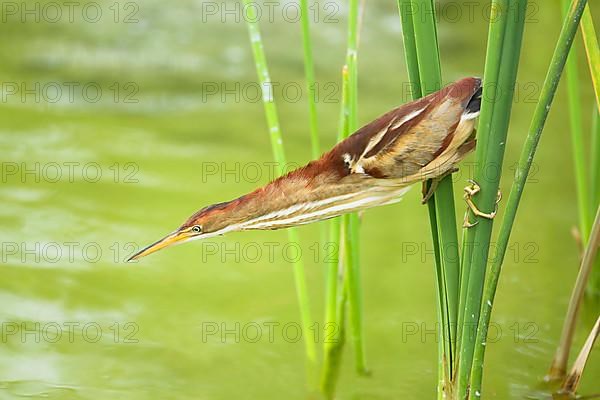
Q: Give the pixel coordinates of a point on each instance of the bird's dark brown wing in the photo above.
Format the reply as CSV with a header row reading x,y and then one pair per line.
x,y
406,140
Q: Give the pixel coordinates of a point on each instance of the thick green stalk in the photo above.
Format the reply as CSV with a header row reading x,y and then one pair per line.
x,y
575,119
431,80
533,137
410,49
489,159
279,154
590,40
450,261
309,72
423,63
493,61
412,66
426,45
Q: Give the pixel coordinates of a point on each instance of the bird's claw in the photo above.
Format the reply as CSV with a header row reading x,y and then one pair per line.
x,y
470,191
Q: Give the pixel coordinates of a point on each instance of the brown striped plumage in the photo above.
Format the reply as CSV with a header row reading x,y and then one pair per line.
x,y
420,140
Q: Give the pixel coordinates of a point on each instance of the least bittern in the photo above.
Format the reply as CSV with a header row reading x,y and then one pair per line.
x,y
421,140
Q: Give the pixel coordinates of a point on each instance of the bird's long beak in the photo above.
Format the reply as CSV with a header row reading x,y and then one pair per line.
x,y
169,240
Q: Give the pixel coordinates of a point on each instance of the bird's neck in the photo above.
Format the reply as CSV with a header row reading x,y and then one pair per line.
x,y
294,200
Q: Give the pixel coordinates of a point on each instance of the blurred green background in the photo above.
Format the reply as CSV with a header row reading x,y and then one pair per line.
x,y
115,127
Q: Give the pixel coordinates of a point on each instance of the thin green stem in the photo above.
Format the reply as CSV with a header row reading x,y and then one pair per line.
x,y
334,322
524,165
575,119
351,222
309,72
590,40
332,274
595,159
354,290
279,154
337,278
593,288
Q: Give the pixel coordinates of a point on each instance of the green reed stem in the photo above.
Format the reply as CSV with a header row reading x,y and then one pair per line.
x,y
595,159
423,64
351,222
575,119
279,154
428,55
590,40
561,358
489,160
412,66
542,109
593,288
334,321
336,296
309,72
332,275
493,61
336,338
410,47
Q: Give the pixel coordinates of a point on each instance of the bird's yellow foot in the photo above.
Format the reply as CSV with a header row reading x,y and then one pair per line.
x,y
428,191
471,191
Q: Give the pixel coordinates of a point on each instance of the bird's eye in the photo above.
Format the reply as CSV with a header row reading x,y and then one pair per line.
x,y
196,229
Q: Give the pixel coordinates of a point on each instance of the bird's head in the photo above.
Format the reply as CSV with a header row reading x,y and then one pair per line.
x,y
208,222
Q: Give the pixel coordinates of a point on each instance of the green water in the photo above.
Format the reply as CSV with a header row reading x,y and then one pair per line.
x,y
88,179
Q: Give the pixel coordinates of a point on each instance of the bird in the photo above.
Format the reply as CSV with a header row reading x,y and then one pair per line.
x,y
415,142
